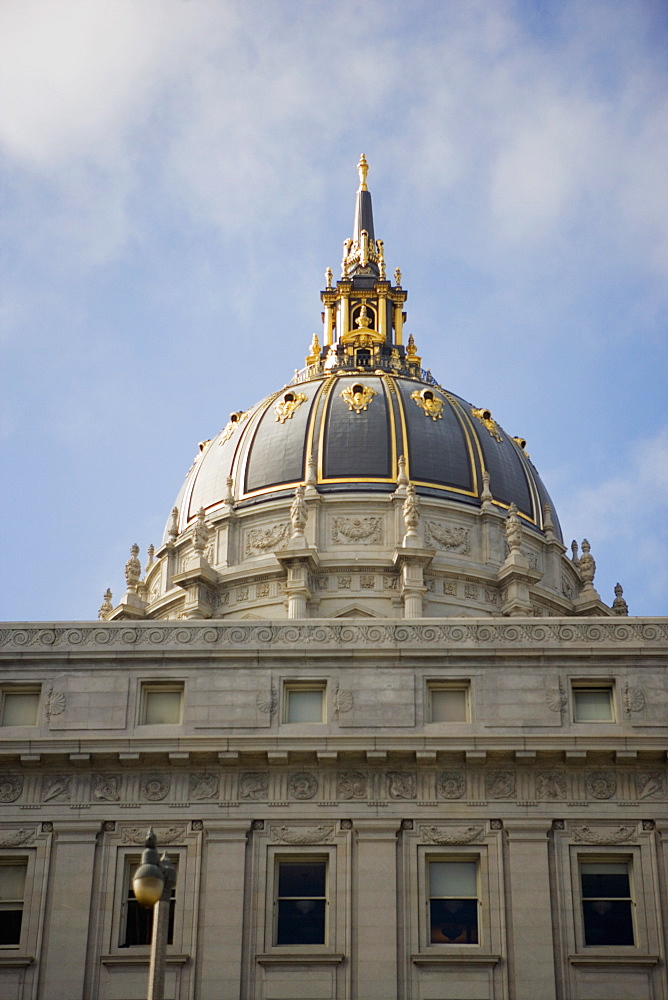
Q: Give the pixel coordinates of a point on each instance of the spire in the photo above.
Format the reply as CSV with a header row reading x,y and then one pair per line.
x,y
363,208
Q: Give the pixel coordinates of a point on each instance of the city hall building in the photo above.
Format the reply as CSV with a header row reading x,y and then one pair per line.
x,y
394,742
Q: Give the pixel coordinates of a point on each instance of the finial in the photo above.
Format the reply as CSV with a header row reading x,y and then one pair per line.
x,y
574,552
363,170
106,607
381,259
173,531
619,605
200,532
397,276
587,566
150,552
229,496
513,528
328,277
298,513
133,569
548,523
486,495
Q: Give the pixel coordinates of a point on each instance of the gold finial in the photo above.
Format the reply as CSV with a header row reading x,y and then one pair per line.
x,y
363,169
328,277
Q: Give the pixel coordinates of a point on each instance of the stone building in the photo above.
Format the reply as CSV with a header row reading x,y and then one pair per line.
x,y
395,744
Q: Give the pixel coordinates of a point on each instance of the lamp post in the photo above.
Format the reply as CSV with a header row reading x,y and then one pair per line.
x,y
152,885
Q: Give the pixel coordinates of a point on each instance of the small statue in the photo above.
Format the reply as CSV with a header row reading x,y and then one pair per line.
x,y
586,565
411,511
173,530
513,528
411,352
107,607
397,277
619,605
328,277
200,532
298,513
133,569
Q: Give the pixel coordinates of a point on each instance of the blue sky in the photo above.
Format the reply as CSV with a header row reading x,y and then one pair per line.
x,y
177,174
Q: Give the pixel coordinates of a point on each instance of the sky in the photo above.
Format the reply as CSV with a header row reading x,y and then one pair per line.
x,y
177,175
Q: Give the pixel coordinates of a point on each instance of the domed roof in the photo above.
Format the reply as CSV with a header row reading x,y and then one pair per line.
x,y
363,414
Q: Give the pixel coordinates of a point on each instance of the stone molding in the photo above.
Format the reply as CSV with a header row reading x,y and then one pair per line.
x,y
228,634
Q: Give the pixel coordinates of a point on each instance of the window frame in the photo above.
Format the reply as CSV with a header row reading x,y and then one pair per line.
x,y
458,684
127,861
319,852
607,857
291,687
14,689
455,858
149,687
132,863
587,685
310,858
18,861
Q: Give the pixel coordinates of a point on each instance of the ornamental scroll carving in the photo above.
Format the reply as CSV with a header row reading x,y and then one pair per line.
x,y
203,786
106,787
451,784
402,785
293,835
351,785
17,838
285,407
357,530
443,537
603,835
11,786
303,785
254,785
451,835
261,540
164,834
358,397
430,404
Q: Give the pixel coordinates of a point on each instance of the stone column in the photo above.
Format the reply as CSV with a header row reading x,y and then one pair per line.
x,y
374,956
69,906
222,899
530,912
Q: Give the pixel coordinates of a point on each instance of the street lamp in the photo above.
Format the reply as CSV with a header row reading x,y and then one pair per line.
x,y
152,885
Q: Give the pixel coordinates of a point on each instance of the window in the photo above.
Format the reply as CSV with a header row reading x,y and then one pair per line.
x,y
20,706
301,901
137,922
453,902
593,703
304,703
607,908
12,886
448,702
161,704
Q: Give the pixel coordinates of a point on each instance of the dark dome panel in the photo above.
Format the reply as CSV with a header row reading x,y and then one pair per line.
x,y
277,451
437,449
508,481
357,445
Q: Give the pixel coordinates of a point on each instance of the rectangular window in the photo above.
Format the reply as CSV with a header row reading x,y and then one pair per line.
x,y
137,922
453,902
161,704
593,703
20,706
607,908
448,702
301,901
304,703
12,887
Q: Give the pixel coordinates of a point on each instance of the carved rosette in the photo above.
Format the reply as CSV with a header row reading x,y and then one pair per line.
x,y
106,787
451,784
351,785
11,786
303,785
601,784
155,787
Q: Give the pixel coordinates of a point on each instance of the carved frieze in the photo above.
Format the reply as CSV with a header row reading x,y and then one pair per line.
x,y
303,785
441,536
604,835
551,785
11,786
155,787
106,787
164,834
402,784
651,785
351,785
601,784
357,530
323,834
254,785
451,784
203,786
451,835
500,785
17,838
56,788
262,540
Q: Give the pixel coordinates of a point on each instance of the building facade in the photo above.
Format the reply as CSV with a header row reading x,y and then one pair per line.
x,y
394,742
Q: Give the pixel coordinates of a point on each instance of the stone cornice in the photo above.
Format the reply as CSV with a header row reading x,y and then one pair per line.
x,y
484,634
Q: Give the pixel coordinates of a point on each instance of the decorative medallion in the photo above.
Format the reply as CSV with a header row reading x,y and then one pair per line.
x,y
11,786
155,787
402,785
303,785
293,835
430,404
500,785
261,540
288,404
451,784
486,419
443,537
203,786
351,785
357,530
106,787
601,784
551,785
254,785
358,396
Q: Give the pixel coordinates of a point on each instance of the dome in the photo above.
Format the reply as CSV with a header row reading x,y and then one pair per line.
x,y
347,431
362,488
